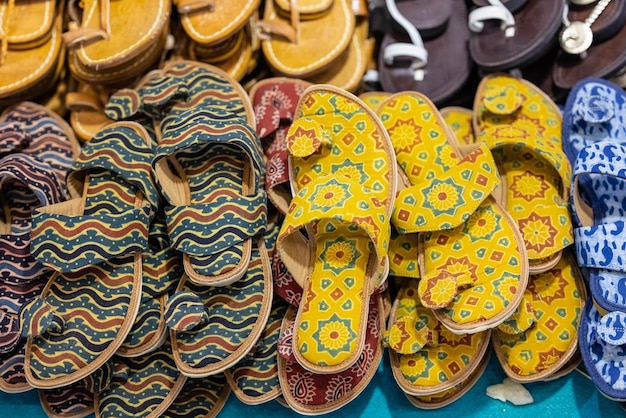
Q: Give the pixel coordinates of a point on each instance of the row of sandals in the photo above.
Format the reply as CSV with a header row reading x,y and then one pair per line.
x,y
210,239
432,47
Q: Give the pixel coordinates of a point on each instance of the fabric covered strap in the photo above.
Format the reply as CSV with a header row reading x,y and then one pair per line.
x,y
471,181
38,317
528,137
521,321
122,149
327,199
602,246
210,228
438,288
150,99
161,271
83,240
67,239
612,328
184,311
494,11
411,334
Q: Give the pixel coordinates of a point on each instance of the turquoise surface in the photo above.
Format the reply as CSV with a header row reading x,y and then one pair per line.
x,y
570,396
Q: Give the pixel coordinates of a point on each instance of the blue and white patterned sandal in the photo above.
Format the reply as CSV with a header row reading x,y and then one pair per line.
x,y
594,111
599,210
602,341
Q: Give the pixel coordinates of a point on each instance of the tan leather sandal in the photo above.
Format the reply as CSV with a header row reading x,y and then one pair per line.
x,y
303,38
102,48
30,49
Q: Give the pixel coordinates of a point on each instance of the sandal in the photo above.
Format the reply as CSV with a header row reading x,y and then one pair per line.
x,y
542,335
103,51
593,112
208,23
73,401
68,341
472,259
426,51
507,34
310,393
342,172
32,59
426,357
147,387
594,49
275,101
300,39
522,127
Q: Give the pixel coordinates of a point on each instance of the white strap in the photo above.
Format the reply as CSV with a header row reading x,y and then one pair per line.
x,y
414,50
495,11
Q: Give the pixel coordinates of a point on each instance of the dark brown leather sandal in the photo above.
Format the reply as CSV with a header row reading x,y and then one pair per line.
x,y
592,46
426,49
514,33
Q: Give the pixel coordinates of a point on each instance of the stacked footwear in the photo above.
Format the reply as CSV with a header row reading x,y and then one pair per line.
x,y
594,142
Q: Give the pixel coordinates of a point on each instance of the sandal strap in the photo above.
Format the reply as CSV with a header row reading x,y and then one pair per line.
x,y
38,317
438,288
601,246
472,180
605,158
522,320
412,335
184,311
66,239
35,174
414,50
71,242
210,228
494,11
612,328
346,201
201,127
120,149
530,138
161,271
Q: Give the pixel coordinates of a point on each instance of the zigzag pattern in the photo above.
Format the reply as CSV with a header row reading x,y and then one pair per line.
x,y
199,397
234,311
256,376
151,379
73,400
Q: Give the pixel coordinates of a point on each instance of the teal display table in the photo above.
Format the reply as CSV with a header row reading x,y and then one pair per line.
x,y
571,396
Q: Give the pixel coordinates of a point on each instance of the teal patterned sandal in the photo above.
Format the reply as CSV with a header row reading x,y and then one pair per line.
x,y
200,398
214,328
95,242
147,388
161,271
210,168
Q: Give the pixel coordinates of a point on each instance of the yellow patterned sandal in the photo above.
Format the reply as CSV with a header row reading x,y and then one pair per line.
x,y
542,335
343,176
522,127
473,262
426,357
